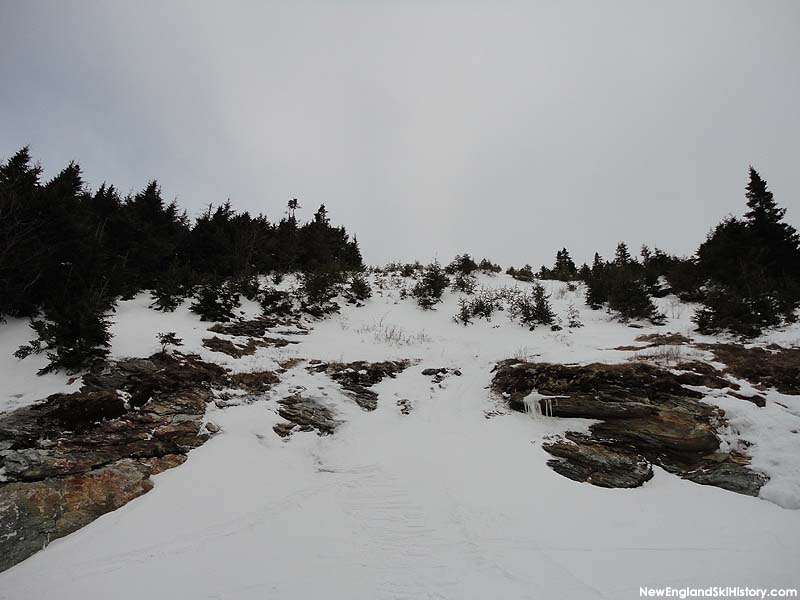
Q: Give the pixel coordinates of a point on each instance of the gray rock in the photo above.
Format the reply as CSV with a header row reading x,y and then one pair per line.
x,y
729,475
308,414
74,457
580,459
646,417
357,376
34,514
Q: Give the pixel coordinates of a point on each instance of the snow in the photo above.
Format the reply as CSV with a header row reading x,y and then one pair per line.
x,y
19,384
454,500
774,432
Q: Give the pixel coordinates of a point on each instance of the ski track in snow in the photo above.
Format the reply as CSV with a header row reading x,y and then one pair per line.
x,y
443,503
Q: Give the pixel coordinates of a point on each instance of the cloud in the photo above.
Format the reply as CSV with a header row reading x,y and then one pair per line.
x,y
505,129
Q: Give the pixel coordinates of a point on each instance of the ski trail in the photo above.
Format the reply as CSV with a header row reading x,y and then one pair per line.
x,y
393,531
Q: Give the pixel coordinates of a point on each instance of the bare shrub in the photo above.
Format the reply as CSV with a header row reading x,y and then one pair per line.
x,y
393,335
662,355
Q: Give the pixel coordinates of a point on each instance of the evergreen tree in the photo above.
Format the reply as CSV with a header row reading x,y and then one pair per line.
x,y
543,313
67,255
524,273
24,249
73,333
487,266
19,174
596,283
166,339
629,297
622,256
321,216
531,308
645,254
778,242
764,212
584,272
432,284
622,285
321,284
360,288
750,267
564,269
216,301
462,263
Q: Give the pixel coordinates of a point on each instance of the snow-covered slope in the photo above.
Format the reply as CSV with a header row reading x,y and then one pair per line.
x,y
453,500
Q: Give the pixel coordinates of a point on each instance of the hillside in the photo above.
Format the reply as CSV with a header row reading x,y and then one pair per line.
x,y
444,489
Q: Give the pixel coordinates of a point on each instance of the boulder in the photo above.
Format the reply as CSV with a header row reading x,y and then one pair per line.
x,y
580,459
306,413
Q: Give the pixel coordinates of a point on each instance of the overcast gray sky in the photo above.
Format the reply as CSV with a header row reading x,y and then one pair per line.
x,y
427,128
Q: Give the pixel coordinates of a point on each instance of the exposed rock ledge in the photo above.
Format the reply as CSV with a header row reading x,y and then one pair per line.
x,y
646,417
356,377
74,457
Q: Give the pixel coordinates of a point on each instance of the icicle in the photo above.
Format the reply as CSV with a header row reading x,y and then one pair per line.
x,y
538,405
531,403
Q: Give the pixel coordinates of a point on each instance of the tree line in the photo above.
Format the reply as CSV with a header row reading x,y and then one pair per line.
x,y
746,274
67,254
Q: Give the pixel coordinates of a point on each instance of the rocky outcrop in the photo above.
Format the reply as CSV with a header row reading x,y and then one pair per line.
x,y
310,414
33,514
256,381
249,328
257,328
306,414
218,344
74,457
438,375
759,401
646,416
579,458
357,377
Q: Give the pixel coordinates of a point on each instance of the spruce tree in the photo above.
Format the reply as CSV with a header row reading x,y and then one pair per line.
x,y
564,268
321,216
431,285
629,297
597,284
67,255
543,313
750,267
24,249
622,256
584,272
764,212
